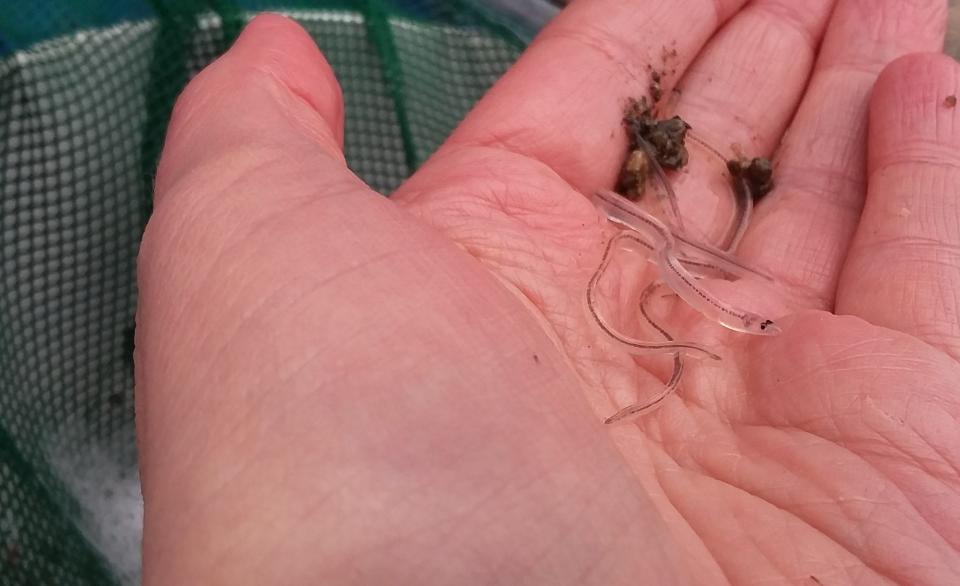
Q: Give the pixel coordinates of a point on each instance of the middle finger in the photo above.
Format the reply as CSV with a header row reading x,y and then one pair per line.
x,y
739,96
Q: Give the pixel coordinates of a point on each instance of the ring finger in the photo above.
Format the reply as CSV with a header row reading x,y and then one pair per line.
x,y
802,230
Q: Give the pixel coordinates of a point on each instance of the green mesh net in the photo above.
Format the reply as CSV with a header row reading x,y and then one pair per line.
x,y
86,87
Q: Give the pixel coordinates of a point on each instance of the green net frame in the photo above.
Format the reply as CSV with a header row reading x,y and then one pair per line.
x,y
86,89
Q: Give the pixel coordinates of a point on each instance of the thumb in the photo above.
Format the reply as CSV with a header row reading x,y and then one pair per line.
x,y
272,90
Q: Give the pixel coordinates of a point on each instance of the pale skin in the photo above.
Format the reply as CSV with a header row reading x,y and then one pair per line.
x,y
337,388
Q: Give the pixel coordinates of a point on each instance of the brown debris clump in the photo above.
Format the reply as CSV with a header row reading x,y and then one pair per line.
x,y
666,139
757,173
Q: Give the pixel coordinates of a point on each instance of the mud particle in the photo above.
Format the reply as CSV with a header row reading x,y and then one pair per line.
x,y
656,90
950,102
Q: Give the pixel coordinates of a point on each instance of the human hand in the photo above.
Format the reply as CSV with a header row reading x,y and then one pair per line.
x,y
333,387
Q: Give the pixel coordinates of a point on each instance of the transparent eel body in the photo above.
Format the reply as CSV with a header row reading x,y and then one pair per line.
x,y
722,259
742,200
674,274
743,211
672,209
630,344
671,385
718,267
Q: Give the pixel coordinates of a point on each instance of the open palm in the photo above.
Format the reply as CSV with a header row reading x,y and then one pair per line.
x,y
338,388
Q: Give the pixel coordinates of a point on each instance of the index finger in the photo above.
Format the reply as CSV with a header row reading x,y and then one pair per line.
x,y
562,103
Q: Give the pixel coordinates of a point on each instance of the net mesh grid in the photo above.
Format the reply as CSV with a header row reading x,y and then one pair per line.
x,y
85,92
